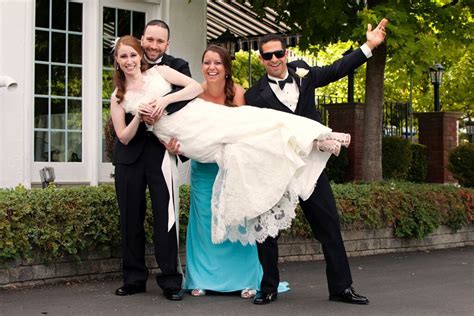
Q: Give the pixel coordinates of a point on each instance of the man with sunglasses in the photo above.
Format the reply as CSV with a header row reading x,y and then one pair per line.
x,y
291,88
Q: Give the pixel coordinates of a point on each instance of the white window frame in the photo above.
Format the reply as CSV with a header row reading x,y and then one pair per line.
x,y
91,170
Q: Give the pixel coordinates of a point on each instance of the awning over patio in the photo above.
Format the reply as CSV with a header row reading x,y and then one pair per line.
x,y
231,18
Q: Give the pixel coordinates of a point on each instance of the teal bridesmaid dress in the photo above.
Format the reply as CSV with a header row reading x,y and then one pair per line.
x,y
225,267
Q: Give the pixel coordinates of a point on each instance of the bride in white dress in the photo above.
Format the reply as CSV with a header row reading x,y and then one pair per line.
x,y
267,158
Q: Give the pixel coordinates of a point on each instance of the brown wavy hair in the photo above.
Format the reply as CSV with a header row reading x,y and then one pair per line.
x,y
227,62
119,76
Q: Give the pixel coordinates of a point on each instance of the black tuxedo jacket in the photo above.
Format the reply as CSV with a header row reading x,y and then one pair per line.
x,y
320,209
128,154
178,64
182,66
261,94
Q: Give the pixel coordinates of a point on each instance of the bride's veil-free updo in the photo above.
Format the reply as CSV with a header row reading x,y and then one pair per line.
x,y
119,76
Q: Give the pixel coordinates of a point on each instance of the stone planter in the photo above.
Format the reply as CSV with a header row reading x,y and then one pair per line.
x,y
106,262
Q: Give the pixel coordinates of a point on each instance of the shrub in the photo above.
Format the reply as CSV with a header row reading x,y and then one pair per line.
x,y
461,164
413,210
396,157
336,167
56,222
418,164
110,137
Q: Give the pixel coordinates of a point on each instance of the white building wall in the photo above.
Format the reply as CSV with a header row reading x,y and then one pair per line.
x,y
16,61
188,41
187,22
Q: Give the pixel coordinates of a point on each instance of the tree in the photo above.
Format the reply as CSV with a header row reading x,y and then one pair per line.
x,y
418,30
240,68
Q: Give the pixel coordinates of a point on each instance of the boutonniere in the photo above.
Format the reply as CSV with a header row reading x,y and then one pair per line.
x,y
301,72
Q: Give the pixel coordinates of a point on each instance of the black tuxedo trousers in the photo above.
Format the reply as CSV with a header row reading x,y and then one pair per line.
x,y
320,209
131,181
321,212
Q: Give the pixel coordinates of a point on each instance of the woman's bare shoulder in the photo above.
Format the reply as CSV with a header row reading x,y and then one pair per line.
x,y
239,91
238,88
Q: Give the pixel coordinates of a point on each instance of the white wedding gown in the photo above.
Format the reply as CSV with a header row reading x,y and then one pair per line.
x,y
266,159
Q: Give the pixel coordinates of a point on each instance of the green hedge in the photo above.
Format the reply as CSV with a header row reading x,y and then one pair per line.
x,y
418,165
336,167
56,222
403,160
461,164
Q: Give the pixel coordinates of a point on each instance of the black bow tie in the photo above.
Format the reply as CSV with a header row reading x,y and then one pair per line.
x,y
282,83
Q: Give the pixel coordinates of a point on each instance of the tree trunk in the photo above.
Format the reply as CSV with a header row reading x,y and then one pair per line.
x,y
373,113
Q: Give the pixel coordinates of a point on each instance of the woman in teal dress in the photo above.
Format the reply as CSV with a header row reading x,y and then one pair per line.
x,y
225,267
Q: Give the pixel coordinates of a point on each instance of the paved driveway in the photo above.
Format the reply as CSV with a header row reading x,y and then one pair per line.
x,y
420,283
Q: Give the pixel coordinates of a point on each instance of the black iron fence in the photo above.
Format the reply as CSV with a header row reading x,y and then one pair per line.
x,y
398,119
397,116
322,100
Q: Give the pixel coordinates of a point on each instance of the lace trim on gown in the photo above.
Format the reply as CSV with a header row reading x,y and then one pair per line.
x,y
257,229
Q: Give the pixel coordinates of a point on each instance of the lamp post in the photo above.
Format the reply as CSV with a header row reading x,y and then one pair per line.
x,y
228,41
436,76
470,130
350,80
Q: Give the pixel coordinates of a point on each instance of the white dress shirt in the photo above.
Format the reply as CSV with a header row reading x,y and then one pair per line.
x,y
290,94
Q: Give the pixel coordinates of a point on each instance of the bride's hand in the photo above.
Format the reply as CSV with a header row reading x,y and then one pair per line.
x,y
148,119
148,109
159,108
145,109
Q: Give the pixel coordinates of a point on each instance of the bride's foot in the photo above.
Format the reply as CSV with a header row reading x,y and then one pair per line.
x,y
343,138
329,145
198,292
248,293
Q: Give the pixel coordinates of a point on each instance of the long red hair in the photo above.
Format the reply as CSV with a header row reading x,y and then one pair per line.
x,y
119,76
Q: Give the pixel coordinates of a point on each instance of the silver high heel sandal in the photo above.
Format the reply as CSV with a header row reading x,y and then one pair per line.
x,y
248,293
198,292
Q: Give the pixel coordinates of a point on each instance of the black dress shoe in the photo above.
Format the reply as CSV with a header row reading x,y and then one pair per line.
x,y
173,294
130,289
265,297
349,296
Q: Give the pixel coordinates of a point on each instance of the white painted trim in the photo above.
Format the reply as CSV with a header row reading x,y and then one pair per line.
x,y
92,28
28,97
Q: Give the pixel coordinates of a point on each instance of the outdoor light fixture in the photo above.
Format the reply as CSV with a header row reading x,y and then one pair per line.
x,y
470,130
47,176
8,82
228,41
436,76
350,80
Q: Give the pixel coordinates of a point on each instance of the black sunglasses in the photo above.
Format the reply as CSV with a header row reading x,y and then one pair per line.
x,y
269,55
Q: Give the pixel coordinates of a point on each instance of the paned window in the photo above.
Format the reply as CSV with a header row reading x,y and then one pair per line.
x,y
58,81
117,22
